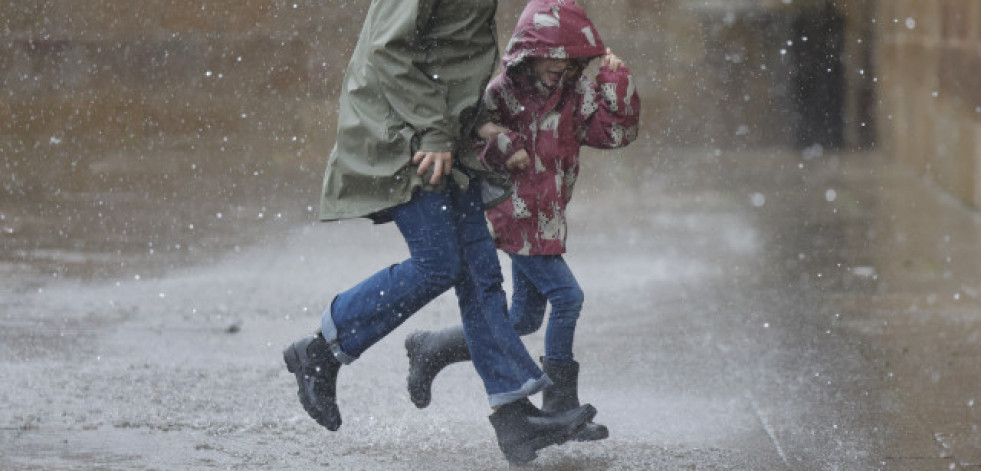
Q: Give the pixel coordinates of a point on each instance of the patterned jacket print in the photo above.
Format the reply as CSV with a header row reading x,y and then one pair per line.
x,y
552,125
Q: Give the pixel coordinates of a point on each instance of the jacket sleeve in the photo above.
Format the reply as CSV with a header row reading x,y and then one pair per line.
x,y
496,152
611,109
397,46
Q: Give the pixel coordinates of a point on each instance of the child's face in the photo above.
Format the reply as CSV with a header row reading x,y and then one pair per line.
x,y
550,71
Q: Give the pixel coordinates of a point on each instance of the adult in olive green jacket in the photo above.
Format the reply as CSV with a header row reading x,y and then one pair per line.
x,y
409,88
410,102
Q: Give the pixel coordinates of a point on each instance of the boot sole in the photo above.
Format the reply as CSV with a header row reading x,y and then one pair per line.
x,y
295,365
592,432
526,451
421,399
292,360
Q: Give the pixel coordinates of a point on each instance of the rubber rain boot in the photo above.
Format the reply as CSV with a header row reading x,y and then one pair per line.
x,y
316,375
522,429
563,395
429,353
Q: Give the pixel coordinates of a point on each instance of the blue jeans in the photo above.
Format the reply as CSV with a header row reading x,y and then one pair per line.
x,y
546,278
450,247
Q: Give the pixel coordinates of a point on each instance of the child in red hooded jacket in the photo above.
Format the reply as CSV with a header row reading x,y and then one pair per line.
x,y
543,110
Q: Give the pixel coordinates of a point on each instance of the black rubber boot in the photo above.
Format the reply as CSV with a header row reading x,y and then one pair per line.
x,y
429,353
563,395
315,367
522,429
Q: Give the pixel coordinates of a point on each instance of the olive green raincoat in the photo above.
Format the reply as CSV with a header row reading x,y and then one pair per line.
x,y
414,83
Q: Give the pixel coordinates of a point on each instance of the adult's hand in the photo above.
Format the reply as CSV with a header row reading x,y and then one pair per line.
x,y
442,163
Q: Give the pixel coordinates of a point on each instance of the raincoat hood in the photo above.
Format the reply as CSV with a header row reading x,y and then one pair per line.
x,y
553,29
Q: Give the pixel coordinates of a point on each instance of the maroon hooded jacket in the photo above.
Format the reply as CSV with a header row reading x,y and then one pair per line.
x,y
552,124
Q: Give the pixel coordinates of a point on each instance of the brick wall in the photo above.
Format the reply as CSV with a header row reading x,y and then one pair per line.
x,y
93,89
929,61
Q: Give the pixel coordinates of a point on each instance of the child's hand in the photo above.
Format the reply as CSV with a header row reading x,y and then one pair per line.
x,y
518,161
611,61
489,131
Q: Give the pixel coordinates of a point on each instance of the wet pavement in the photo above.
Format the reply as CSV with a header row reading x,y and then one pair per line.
x,y
767,310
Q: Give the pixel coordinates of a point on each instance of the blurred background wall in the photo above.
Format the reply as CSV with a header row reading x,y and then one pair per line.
x,y
161,99
929,56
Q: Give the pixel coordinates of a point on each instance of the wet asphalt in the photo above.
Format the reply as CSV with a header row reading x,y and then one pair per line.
x,y
755,310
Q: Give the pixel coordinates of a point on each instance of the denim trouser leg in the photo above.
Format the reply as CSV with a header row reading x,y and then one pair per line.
x,y
508,371
527,303
439,229
541,277
364,314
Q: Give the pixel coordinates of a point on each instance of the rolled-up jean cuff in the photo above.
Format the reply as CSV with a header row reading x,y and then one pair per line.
x,y
530,387
329,331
